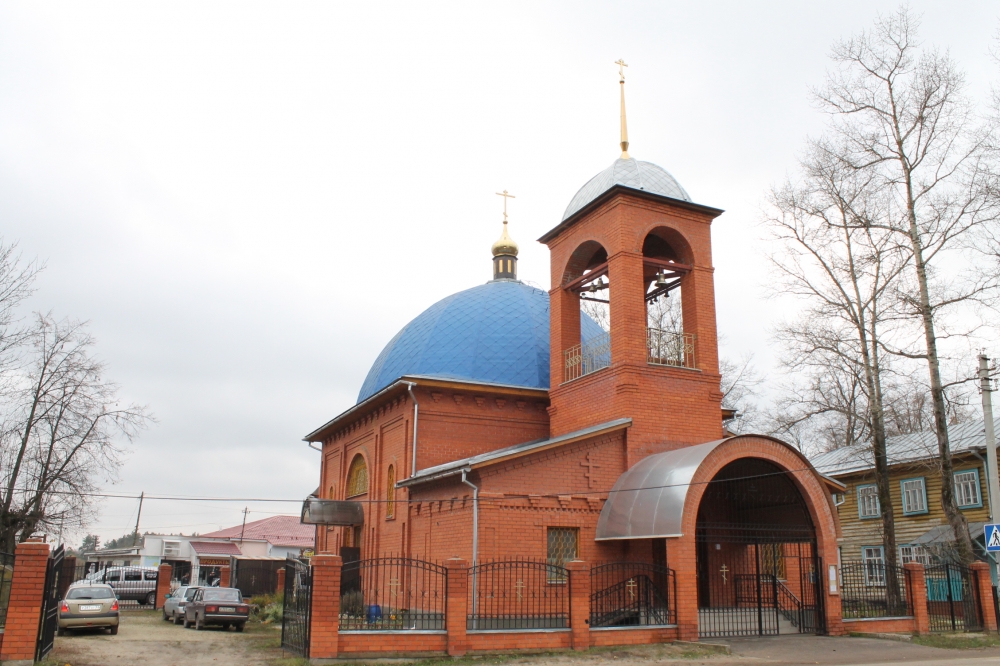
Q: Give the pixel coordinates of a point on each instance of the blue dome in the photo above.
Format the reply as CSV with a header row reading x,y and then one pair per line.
x,y
496,333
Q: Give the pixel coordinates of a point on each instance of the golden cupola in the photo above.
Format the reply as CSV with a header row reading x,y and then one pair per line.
x,y
505,249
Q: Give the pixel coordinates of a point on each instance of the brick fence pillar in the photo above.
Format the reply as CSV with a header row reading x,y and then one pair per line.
x,y
456,606
165,573
324,630
985,593
67,576
916,590
224,575
281,581
683,561
25,609
830,581
579,603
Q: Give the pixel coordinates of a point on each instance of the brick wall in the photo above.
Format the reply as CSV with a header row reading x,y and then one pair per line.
x,y
25,609
165,573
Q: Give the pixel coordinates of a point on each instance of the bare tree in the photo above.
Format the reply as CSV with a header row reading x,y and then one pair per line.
x,y
902,119
846,273
59,431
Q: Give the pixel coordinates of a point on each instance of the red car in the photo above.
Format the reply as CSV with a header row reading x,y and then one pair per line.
x,y
216,605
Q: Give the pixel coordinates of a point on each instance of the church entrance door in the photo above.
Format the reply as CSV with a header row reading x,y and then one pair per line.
x,y
758,571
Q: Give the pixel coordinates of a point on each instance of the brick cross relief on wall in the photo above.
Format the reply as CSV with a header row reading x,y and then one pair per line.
x,y
591,466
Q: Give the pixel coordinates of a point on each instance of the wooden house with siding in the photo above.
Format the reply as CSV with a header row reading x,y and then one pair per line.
x,y
922,531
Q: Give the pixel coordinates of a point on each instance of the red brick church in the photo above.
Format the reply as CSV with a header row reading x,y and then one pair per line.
x,y
505,423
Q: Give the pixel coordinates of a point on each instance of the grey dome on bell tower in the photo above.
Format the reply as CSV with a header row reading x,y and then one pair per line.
x,y
630,172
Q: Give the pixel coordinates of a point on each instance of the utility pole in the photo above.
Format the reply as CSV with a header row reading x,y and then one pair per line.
x,y
986,388
245,510
135,537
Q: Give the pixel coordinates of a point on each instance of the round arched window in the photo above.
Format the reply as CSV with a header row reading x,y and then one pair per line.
x,y
357,477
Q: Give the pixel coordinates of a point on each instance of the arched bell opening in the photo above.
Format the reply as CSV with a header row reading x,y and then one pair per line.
x,y
667,260
586,289
757,564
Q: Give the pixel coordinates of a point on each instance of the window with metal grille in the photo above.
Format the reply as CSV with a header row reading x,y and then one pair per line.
x,y
562,547
772,560
390,492
910,553
914,496
967,488
357,477
868,506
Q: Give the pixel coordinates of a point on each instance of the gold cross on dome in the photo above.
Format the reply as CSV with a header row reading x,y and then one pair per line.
x,y
506,195
621,68
723,570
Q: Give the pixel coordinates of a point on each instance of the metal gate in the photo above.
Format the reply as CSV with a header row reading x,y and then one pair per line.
x,y
298,607
953,602
49,621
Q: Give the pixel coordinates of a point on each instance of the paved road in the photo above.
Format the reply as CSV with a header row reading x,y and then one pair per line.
x,y
146,639
851,651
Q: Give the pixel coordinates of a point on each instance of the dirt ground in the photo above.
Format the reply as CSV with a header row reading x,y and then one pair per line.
x,y
144,638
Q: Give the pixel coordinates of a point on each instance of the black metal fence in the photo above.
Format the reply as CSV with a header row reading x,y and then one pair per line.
x,y
135,586
518,594
50,605
6,578
295,617
254,577
873,589
953,602
637,594
393,594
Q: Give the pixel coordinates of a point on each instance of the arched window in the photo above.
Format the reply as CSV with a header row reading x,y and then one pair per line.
x,y
333,493
390,492
357,477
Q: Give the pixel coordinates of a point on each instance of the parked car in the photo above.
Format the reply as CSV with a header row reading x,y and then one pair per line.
x,y
173,607
129,583
87,606
216,605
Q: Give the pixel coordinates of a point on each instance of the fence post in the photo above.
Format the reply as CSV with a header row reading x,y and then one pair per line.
x,y
579,603
324,614
163,576
281,582
224,575
916,587
683,560
985,593
456,606
24,612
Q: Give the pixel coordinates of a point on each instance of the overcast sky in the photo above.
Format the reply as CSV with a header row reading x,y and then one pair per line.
x,y
248,200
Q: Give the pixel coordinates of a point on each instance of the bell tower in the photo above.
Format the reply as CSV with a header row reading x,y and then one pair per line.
x,y
632,238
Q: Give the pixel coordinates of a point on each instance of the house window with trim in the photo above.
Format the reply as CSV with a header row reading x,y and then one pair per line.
x,y
914,495
563,546
868,506
357,477
390,492
874,560
911,553
967,489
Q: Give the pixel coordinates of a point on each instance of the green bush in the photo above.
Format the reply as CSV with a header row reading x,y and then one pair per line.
x,y
267,608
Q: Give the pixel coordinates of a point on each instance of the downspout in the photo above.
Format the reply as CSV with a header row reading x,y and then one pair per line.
x,y
314,448
416,415
475,540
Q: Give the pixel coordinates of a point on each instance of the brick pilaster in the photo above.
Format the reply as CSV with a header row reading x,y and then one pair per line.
x,y
579,603
684,563
985,592
456,608
833,608
25,609
224,575
324,631
165,573
916,589
281,581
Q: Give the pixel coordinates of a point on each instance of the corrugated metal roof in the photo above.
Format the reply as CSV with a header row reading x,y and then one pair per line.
x,y
901,449
216,548
277,530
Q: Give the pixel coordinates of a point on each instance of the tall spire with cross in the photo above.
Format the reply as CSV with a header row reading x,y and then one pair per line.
x,y
624,142
505,249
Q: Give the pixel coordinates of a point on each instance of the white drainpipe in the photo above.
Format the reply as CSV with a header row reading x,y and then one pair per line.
x,y
416,415
475,537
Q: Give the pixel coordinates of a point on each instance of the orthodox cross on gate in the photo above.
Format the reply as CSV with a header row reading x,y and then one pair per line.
x,y
519,585
393,586
724,570
591,466
631,587
505,196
